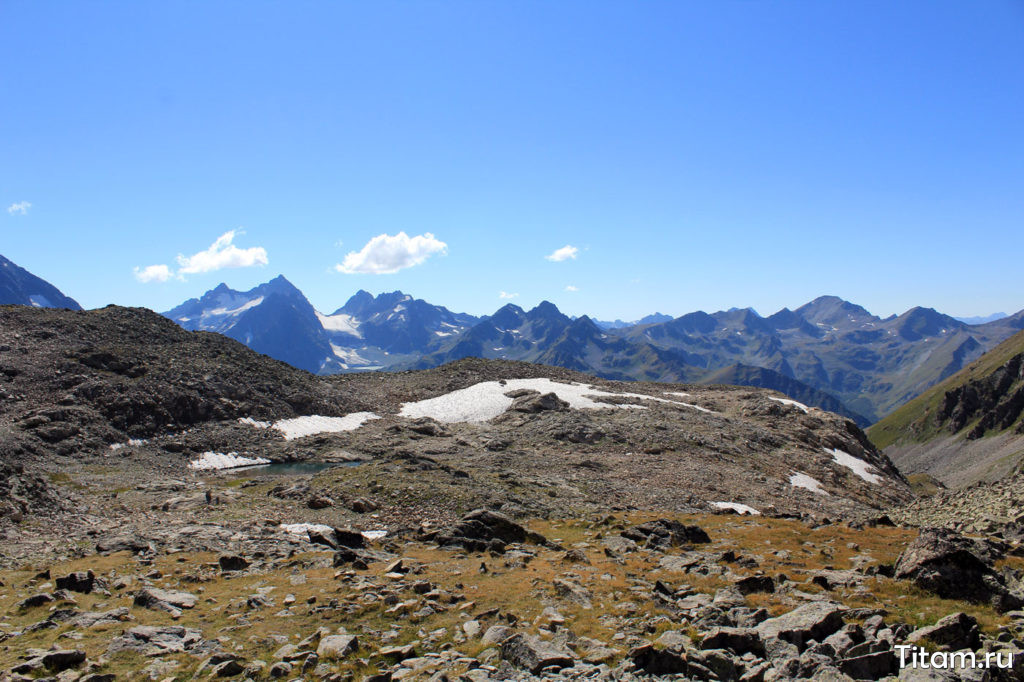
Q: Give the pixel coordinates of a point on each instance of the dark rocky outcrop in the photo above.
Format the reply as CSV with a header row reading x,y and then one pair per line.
x,y
955,567
484,529
666,533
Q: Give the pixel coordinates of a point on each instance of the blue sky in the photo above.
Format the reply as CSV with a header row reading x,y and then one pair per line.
x,y
696,155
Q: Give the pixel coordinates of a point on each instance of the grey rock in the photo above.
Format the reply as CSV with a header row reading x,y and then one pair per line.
x,y
165,600
737,640
36,600
655,661
497,634
534,654
573,592
811,621
157,641
870,666
951,633
337,646
93,619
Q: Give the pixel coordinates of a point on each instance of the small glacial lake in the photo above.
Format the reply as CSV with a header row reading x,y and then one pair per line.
x,y
288,468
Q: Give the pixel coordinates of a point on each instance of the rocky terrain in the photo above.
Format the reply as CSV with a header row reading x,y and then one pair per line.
x,y
623,596
985,507
480,520
968,428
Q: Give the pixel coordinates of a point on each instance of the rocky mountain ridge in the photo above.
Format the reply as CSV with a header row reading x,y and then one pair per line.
x,y
969,427
20,287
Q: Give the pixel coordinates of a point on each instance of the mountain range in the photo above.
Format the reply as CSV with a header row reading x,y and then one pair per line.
x,y
828,353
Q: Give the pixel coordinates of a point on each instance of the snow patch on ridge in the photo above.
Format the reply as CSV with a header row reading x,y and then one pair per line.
x,y
304,528
212,461
801,480
685,395
854,464
486,400
132,443
314,424
737,507
787,401
254,423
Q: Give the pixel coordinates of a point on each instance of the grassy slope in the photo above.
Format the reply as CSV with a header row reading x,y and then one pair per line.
x,y
914,423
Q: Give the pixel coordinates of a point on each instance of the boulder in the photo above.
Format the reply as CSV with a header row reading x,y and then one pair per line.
x,y
344,537
95,619
755,583
497,634
229,668
165,600
36,600
814,621
655,661
534,654
531,404
484,529
361,505
573,591
53,661
232,562
870,666
319,502
124,543
952,633
664,533
954,567
157,641
79,581
336,646
737,640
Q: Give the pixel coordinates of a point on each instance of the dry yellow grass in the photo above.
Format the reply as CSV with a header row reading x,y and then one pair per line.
x,y
779,546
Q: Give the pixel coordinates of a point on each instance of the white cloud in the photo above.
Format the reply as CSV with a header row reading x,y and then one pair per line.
x,y
386,254
153,273
505,294
19,208
571,288
222,254
565,253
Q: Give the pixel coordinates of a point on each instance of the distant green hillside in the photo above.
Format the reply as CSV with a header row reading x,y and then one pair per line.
x,y
985,397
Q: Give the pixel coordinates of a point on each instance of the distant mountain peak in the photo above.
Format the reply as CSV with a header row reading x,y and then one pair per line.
x,y
546,310
834,311
982,319
21,287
